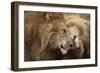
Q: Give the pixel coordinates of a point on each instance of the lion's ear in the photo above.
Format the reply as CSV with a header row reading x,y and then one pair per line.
x,y
49,17
53,16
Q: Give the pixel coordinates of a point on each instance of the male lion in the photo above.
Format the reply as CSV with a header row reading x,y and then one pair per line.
x,y
46,36
79,29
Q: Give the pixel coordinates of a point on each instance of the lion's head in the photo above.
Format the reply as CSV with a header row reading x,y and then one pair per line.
x,y
57,37
80,34
45,32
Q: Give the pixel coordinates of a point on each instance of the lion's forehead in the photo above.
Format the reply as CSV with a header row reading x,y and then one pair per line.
x,y
74,30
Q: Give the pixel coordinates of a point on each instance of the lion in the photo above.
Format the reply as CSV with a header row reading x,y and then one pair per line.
x,y
46,36
79,29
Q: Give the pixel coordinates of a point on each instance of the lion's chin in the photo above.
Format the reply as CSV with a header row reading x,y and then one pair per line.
x,y
63,51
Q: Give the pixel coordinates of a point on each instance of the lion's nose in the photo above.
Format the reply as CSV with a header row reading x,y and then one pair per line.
x,y
62,46
71,45
63,50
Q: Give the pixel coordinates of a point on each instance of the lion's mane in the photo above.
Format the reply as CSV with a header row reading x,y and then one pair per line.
x,y
38,30
83,26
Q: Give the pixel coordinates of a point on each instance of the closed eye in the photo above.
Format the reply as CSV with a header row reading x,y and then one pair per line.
x,y
74,37
64,30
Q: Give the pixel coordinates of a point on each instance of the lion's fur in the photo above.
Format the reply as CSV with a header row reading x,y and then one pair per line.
x,y
83,26
38,30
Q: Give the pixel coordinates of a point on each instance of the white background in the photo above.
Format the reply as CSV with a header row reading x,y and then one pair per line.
x,y
5,36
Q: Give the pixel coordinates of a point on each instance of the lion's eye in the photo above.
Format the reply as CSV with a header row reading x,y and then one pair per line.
x,y
64,30
74,37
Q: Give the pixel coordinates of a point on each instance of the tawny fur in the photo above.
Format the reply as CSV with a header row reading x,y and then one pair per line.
x,y
83,26
38,30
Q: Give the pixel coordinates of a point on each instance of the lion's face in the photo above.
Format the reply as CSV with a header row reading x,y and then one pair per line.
x,y
79,33
60,38
75,36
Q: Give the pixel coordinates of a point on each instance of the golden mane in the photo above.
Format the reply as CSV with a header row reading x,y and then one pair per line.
x,y
83,26
38,29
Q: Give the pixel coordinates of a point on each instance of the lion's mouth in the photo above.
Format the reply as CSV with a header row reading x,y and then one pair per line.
x,y
63,50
